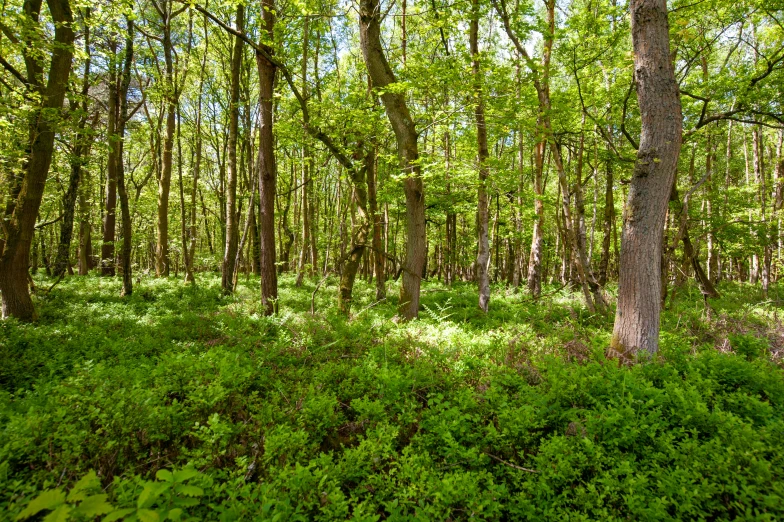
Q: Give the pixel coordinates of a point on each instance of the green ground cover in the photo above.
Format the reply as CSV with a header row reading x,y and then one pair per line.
x,y
181,403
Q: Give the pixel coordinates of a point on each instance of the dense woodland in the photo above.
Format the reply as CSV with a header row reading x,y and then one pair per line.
x,y
341,190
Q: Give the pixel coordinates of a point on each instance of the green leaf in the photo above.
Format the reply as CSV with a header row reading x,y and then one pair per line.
x,y
175,514
164,474
85,484
183,475
49,499
59,515
148,515
191,491
94,505
117,514
150,492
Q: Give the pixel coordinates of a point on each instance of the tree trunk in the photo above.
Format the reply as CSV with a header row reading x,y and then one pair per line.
x,y
408,153
109,218
267,169
636,326
21,216
483,203
164,182
232,226
81,150
359,233
378,248
125,211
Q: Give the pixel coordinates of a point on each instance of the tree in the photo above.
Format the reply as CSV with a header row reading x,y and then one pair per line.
x,y
636,326
20,216
403,126
232,225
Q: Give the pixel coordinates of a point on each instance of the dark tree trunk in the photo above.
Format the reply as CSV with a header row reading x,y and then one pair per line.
x,y
21,216
267,169
81,150
125,210
110,218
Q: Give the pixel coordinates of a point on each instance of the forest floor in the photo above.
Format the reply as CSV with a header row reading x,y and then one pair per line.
x,y
511,416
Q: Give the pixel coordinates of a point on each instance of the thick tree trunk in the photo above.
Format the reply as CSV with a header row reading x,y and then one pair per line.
x,y
267,169
20,221
406,136
232,226
636,326
483,203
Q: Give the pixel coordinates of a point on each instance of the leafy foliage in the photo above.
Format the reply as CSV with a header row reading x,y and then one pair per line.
x,y
193,406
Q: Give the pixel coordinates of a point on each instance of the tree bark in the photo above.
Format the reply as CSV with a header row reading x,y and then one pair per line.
x,y
267,168
408,153
483,203
125,211
232,226
20,218
636,326
110,218
81,149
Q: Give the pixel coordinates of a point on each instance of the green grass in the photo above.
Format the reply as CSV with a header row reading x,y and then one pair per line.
x,y
315,417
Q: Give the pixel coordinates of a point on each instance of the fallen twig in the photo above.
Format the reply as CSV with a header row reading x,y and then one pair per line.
x,y
515,466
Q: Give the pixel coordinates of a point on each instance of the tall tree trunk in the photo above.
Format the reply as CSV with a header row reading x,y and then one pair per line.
x,y
636,326
483,203
81,149
125,210
164,182
378,248
267,168
21,215
109,218
232,226
408,153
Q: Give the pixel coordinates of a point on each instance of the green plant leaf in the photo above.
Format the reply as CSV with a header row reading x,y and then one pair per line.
x,y
183,475
94,505
85,484
164,474
150,492
148,515
175,514
49,499
117,514
191,491
60,514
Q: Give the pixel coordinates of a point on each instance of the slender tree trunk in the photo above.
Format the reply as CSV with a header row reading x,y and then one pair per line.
x,y
408,153
267,169
378,248
483,203
109,218
636,326
232,226
81,149
125,211
162,263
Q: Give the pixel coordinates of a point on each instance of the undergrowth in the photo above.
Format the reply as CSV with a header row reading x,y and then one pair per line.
x,y
181,403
